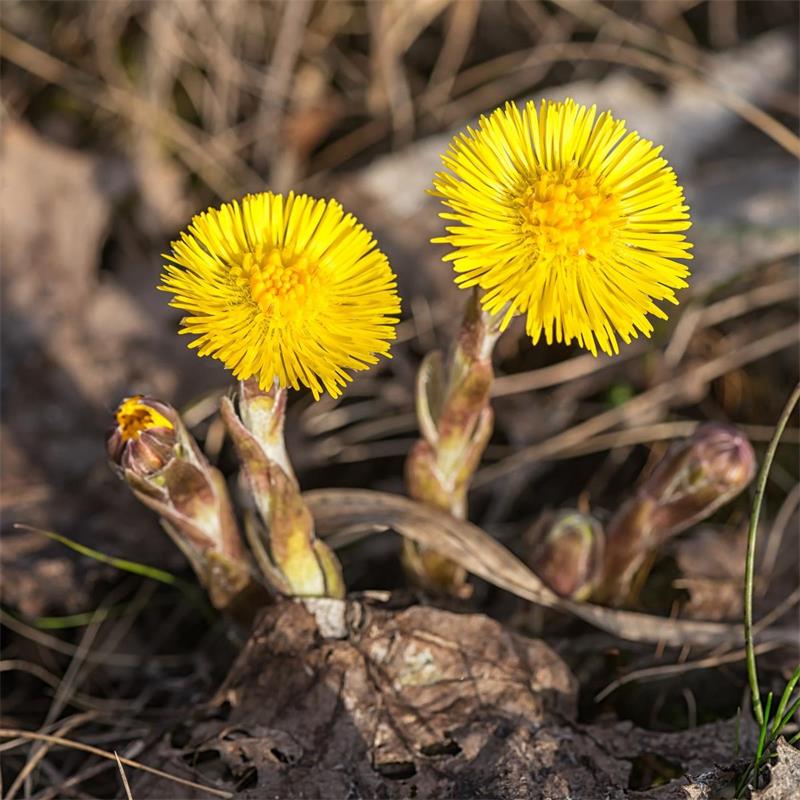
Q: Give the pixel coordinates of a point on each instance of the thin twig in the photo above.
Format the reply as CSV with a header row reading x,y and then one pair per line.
x,y
563,371
777,612
587,364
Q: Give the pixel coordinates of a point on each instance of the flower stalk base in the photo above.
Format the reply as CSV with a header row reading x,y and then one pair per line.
x,y
280,528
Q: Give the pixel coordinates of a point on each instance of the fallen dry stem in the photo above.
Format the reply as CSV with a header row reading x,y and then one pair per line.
x,y
662,431
781,522
646,37
562,372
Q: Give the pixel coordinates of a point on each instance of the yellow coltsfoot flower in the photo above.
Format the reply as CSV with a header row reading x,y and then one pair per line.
x,y
284,288
566,218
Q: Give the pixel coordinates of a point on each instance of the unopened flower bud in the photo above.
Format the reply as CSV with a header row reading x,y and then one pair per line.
x,y
153,452
699,476
567,552
144,438
282,534
694,479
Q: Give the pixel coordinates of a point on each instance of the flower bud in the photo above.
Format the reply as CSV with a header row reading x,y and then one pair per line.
x,y
153,452
693,480
282,534
144,438
567,552
699,476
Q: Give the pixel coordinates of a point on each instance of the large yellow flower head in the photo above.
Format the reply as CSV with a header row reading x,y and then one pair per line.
x,y
284,288
564,217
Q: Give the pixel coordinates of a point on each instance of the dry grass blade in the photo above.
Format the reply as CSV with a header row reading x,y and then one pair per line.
x,y
666,670
480,554
587,364
190,145
77,699
60,646
509,73
461,21
124,777
14,733
666,392
657,432
563,371
779,526
36,757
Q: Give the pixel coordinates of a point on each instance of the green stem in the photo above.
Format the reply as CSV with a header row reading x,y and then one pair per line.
x,y
752,674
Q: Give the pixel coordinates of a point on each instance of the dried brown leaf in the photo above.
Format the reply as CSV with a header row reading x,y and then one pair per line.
x,y
784,783
480,554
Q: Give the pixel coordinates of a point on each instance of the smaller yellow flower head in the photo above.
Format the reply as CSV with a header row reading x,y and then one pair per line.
x,y
134,417
284,288
564,217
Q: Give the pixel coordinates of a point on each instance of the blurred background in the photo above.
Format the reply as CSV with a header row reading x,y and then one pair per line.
x,y
121,119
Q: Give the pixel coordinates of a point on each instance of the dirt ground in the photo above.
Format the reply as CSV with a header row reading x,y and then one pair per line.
x,y
122,119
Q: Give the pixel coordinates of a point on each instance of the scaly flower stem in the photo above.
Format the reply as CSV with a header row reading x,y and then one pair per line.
x,y
749,566
455,420
281,533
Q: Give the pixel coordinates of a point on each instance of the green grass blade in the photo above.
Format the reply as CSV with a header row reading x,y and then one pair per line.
x,y
738,732
749,569
195,597
777,725
762,735
77,620
755,766
784,720
146,571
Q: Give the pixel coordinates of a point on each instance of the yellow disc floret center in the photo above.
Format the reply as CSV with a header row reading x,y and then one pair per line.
x,y
279,283
567,214
133,417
